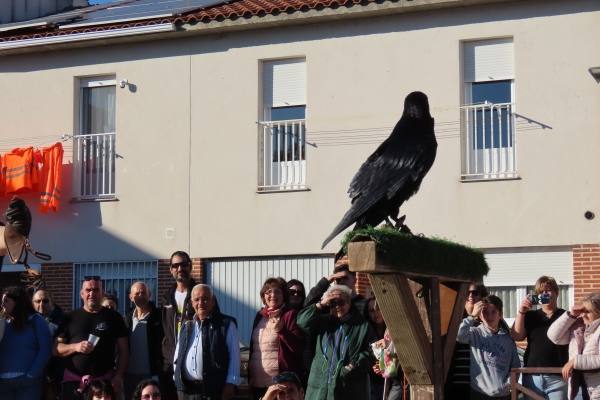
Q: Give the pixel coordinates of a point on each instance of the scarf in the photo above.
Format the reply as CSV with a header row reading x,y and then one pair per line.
x,y
273,317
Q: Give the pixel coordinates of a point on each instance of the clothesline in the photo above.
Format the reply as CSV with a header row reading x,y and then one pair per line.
x,y
33,170
7,144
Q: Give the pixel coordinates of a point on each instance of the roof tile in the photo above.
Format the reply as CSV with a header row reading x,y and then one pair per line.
x,y
232,10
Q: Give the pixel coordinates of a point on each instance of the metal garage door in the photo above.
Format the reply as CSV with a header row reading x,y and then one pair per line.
x,y
117,278
237,282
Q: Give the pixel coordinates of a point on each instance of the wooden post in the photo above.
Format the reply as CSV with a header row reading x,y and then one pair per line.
x,y
455,320
397,304
416,323
436,341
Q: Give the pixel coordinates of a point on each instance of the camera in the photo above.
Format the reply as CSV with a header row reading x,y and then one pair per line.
x,y
543,298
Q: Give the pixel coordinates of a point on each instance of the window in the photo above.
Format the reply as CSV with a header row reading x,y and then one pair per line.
x,y
282,133
117,278
488,113
94,146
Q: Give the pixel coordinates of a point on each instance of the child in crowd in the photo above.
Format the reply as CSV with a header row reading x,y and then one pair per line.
x,y
493,351
99,390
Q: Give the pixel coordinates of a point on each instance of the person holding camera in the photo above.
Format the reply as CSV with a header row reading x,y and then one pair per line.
x,y
533,324
340,368
493,351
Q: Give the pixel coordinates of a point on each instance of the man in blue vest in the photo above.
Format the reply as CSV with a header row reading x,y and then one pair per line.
x,y
207,356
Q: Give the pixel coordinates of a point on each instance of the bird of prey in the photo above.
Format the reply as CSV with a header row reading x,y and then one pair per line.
x,y
393,173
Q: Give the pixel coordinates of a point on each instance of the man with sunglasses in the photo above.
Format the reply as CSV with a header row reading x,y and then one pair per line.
x,y
88,340
286,386
176,309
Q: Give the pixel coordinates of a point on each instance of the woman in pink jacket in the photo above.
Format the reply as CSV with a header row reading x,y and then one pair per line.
x,y
579,329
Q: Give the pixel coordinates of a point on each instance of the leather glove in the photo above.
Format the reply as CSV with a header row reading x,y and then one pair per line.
x,y
18,215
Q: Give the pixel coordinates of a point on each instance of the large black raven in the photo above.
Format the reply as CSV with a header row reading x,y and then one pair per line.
x,y
393,173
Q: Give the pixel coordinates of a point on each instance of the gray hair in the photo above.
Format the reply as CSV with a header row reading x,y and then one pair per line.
x,y
144,285
343,289
594,300
204,286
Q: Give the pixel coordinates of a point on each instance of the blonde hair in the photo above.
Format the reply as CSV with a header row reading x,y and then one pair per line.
x,y
594,300
545,280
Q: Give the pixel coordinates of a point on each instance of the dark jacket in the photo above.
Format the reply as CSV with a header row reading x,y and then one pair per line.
x,y
291,342
327,381
169,323
215,361
154,334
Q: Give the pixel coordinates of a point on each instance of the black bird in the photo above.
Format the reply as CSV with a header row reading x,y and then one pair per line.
x,y
393,173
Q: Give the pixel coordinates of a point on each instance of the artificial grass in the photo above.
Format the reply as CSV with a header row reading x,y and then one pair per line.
x,y
429,256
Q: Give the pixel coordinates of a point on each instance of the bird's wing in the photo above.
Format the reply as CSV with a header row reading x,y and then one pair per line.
x,y
398,165
395,163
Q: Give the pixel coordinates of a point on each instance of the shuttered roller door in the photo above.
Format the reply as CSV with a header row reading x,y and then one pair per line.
x,y
488,60
284,83
117,278
237,282
523,267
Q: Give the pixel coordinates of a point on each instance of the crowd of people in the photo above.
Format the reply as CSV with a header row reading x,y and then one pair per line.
x,y
327,344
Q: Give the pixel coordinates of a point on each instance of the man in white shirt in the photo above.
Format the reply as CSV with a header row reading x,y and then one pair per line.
x,y
207,356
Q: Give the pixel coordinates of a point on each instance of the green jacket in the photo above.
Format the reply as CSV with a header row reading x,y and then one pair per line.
x,y
340,381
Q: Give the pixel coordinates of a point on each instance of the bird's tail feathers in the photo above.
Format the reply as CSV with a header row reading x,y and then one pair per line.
x,y
343,224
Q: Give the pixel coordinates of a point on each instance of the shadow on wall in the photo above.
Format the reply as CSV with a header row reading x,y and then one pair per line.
x,y
75,233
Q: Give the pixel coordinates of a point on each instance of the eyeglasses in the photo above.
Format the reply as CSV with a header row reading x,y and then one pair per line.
x,y
155,395
91,278
474,292
295,292
337,303
181,264
38,301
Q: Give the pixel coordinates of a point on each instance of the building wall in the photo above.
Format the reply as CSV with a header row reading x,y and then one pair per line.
x,y
586,269
187,133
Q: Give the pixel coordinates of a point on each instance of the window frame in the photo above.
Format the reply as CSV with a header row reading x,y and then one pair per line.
x,y
290,172
493,155
82,142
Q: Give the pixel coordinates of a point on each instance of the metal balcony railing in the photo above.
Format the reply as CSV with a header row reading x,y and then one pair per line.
x,y
489,140
94,166
282,155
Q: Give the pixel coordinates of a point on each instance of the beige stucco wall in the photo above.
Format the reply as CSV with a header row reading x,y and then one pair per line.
x,y
204,91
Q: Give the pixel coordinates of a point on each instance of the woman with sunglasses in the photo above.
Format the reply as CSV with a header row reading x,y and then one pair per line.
x,y
458,385
147,389
277,342
579,329
24,349
297,294
340,368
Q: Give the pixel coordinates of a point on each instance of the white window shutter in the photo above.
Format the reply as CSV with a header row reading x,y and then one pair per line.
x,y
284,83
489,60
522,267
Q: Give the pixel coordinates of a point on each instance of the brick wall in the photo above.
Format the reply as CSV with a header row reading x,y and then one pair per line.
x,y
586,269
165,279
59,281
